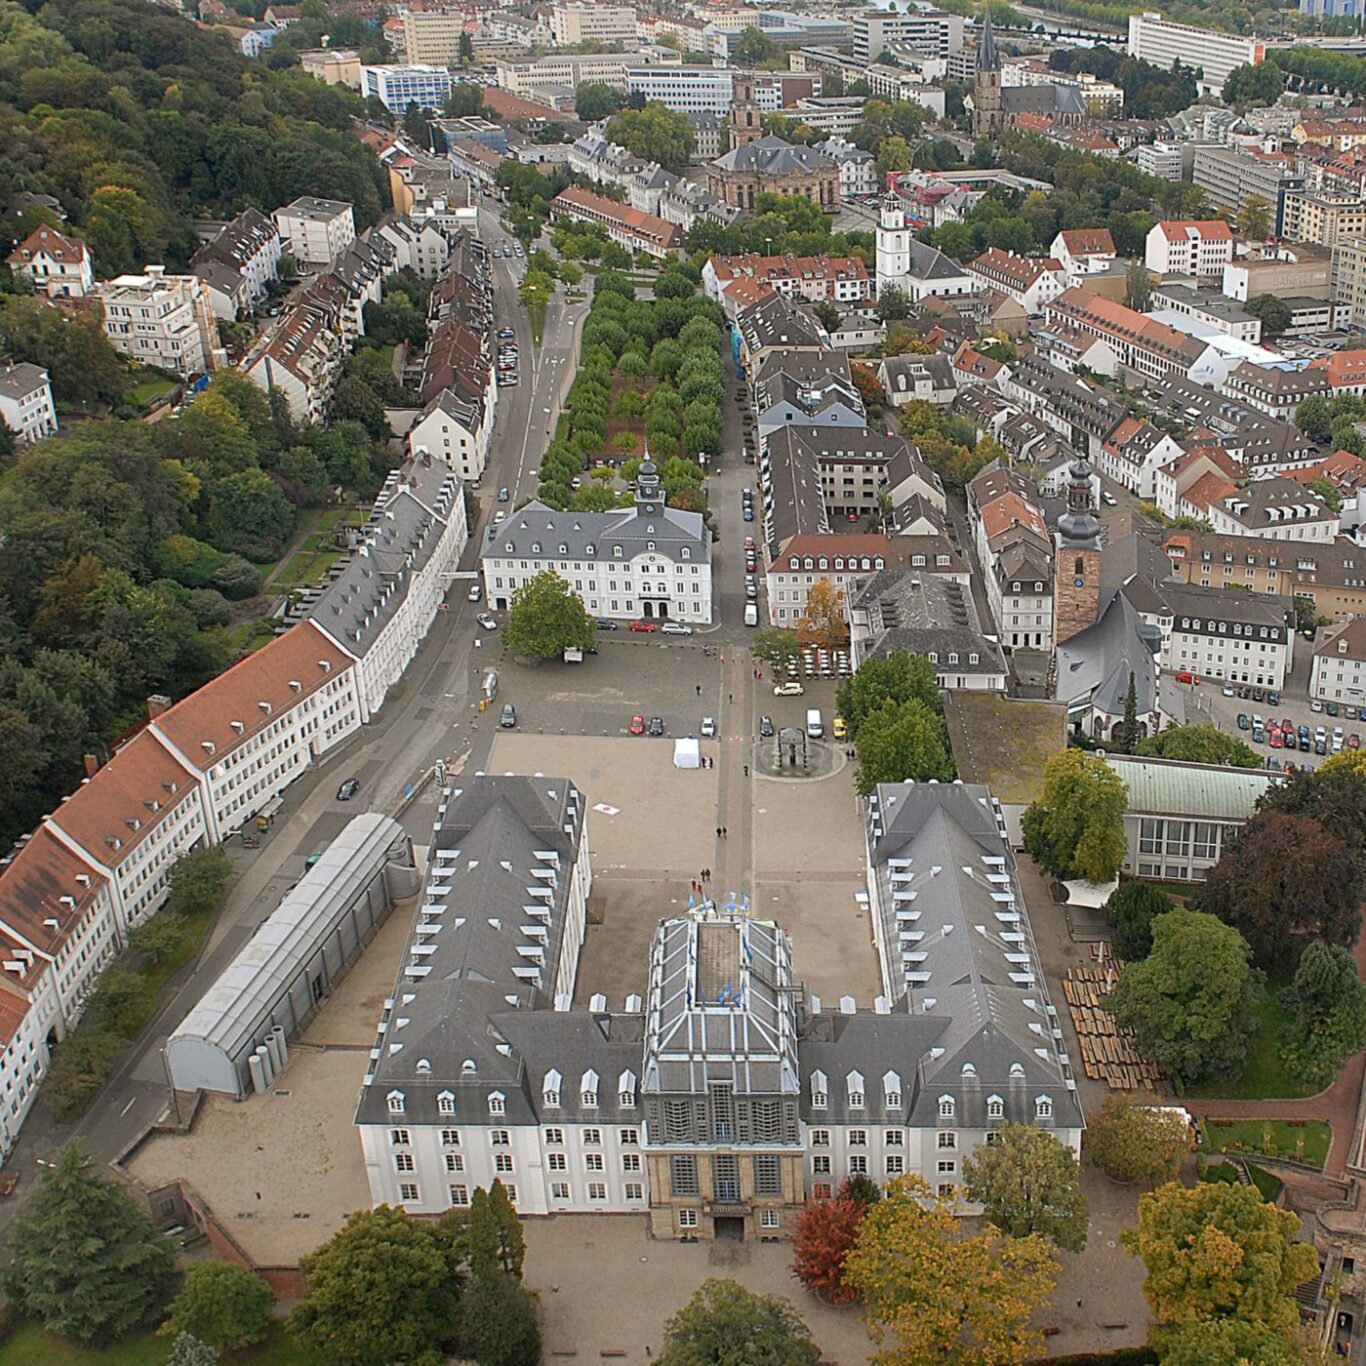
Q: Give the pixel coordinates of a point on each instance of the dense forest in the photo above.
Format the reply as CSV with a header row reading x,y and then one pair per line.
x,y
129,548
139,122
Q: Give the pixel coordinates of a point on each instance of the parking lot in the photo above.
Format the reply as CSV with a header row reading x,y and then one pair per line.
x,y
1207,702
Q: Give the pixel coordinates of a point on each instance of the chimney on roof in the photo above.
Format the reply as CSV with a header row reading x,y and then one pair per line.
x,y
91,764
156,704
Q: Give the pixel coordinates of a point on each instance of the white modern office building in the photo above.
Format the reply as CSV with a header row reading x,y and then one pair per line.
x,y
683,89
1163,43
397,87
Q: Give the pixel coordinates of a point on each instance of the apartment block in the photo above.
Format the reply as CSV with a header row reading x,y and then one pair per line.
x,y
929,33
1163,43
1338,673
573,24
683,89
397,87
1323,218
1231,177
162,320
1189,248
26,406
316,231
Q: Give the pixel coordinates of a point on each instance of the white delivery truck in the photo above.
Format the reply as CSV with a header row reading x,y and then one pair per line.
x,y
815,727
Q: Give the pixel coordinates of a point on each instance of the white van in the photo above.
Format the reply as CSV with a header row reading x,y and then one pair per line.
x,y
490,688
751,614
815,727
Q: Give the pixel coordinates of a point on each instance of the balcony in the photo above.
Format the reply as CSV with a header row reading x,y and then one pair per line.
x,y
728,1209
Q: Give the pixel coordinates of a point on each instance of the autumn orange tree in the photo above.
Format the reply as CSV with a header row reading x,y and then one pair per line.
x,y
823,623
826,1230
938,1294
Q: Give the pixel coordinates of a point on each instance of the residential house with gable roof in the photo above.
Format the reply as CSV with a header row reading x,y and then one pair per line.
x,y
60,266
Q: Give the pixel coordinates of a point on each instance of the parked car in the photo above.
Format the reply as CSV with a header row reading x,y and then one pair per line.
x,y
476,592
348,789
637,726
1331,708
656,725
606,624
1316,705
1287,725
1185,676
1228,689
508,720
1274,738
709,728
748,513
486,621
790,689
1108,498
1320,747
1273,697
675,628
1243,722
647,627
506,333
503,494
840,728
1354,741
765,727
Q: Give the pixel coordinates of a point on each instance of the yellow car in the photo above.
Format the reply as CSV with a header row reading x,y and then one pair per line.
x,y
841,729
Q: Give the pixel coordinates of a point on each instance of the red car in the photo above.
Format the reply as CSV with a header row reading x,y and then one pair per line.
x,y
1275,739
1354,741
1287,725
637,724
647,626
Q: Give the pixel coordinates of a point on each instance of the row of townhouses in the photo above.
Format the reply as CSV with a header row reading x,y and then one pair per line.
x,y
203,769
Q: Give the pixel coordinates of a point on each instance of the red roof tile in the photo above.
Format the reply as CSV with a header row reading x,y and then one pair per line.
x,y
46,891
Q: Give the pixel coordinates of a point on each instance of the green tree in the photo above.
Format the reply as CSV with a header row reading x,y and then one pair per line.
x,y
1315,416
189,1351
1136,1138
466,49
724,1324
87,1262
1327,1005
499,1325
1131,909
1192,1003
1138,287
944,1297
900,677
197,880
1219,1251
1275,313
1200,743
384,1288
892,303
753,47
1075,828
777,648
248,513
1029,1183
655,133
1247,86
593,101
1231,1342
1126,734
1254,221
222,1304
546,618
900,742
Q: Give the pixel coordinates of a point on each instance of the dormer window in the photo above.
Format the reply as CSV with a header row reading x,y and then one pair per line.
x,y
1017,1069
395,1099
498,1103
995,1107
819,1091
1043,1108
535,547
616,552
588,1090
445,1103
945,1107
685,553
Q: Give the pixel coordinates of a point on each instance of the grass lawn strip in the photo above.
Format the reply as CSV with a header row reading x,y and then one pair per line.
x,y
1272,1138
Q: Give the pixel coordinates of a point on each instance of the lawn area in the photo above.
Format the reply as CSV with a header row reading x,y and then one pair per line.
x,y
314,554
1272,1138
142,394
1004,743
1265,1077
33,1346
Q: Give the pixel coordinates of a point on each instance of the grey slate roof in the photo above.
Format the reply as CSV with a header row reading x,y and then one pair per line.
x,y
772,156
775,321
901,373
1211,792
596,535
19,381
924,614
929,263
948,901
467,994
407,521
1096,663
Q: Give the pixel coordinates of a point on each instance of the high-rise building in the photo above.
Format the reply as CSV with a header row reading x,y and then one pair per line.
x,y
988,109
572,24
1214,55
396,87
928,33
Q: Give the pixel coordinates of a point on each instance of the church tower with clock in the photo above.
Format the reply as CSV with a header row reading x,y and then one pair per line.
x,y
1076,559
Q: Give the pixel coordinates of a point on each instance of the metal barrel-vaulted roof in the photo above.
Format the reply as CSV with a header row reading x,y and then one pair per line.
x,y
1205,791
232,1013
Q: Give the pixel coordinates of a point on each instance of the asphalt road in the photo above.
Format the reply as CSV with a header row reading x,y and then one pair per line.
x,y
427,716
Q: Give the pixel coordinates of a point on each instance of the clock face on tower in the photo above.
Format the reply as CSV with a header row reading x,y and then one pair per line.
x,y
1078,583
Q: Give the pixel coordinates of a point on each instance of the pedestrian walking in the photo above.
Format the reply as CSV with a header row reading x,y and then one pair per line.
x,y
699,690
730,697
723,832
718,832
746,770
